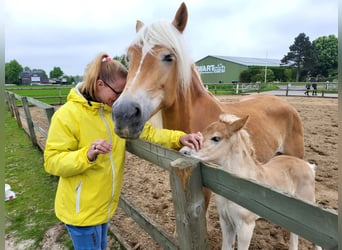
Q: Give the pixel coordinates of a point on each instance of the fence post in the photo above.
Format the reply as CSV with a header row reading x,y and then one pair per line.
x,y
189,205
8,102
14,109
49,113
325,87
29,120
11,99
60,96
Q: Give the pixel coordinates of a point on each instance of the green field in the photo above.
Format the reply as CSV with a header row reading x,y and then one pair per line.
x,y
48,94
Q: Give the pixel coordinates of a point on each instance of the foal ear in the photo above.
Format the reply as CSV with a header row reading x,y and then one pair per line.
x,y
181,18
138,25
239,124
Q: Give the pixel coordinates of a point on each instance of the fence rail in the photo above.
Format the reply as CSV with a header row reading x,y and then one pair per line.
x,y
287,89
324,89
187,176
51,92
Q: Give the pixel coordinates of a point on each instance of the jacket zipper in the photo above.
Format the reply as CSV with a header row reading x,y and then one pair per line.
x,y
111,159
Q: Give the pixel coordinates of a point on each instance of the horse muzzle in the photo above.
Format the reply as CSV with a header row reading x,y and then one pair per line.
x,y
128,118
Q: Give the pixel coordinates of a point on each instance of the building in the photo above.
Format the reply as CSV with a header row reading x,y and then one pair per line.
x,y
227,69
33,77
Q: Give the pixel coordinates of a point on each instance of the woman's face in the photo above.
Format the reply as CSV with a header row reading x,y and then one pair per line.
x,y
108,92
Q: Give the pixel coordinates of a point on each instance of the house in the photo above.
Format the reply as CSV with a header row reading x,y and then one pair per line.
x,y
33,77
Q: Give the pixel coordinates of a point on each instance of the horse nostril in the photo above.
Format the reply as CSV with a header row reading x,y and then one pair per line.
x,y
137,112
126,110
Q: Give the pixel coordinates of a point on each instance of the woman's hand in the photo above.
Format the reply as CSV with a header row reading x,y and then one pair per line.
x,y
193,140
98,147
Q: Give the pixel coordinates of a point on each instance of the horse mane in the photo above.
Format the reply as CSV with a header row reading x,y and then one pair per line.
x,y
166,34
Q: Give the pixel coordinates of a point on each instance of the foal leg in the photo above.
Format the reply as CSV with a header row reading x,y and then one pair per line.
x,y
228,234
293,241
244,235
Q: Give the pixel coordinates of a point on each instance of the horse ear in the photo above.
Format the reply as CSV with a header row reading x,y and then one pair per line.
x,y
181,18
138,25
239,124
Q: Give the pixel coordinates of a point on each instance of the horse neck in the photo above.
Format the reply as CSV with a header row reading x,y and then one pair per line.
x,y
241,158
193,110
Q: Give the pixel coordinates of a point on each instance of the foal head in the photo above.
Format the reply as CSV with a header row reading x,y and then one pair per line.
x,y
159,70
221,139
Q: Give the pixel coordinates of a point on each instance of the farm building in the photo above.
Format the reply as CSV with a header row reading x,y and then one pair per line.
x,y
227,69
33,77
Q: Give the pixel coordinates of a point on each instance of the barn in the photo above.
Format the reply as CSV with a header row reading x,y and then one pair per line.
x,y
227,69
33,77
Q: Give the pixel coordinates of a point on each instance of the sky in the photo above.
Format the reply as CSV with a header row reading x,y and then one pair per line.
x,y
70,33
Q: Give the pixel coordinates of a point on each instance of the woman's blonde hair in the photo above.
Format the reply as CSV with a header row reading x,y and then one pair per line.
x,y
104,68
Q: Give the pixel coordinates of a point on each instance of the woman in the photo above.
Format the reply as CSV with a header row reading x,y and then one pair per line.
x,y
84,151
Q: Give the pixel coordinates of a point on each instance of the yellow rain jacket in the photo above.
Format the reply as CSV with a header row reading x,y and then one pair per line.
x,y
88,192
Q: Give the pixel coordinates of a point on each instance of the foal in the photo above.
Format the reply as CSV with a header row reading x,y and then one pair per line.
x,y
227,144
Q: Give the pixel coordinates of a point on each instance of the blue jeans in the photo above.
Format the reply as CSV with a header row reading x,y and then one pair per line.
x,y
88,238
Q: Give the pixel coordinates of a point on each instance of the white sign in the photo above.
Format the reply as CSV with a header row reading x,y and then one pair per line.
x,y
35,78
211,68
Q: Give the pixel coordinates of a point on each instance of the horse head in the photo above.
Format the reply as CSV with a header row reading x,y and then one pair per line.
x,y
158,71
220,139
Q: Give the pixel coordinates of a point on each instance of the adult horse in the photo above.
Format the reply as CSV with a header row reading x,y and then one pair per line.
x,y
163,78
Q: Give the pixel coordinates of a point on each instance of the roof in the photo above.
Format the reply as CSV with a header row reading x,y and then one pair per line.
x,y
249,61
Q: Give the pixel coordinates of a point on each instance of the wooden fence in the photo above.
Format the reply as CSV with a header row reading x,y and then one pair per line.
x,y
187,176
50,93
322,88
287,89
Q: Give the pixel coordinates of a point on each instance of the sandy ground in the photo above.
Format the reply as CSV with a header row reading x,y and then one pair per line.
x,y
147,186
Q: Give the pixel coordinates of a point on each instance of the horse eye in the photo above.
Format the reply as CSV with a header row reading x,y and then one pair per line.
x,y
168,58
215,138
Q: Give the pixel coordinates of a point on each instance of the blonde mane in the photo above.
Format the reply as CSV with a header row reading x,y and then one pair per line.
x,y
163,33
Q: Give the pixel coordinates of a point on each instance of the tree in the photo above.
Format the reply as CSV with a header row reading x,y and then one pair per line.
x,y
121,59
77,79
56,72
12,72
301,55
326,52
246,75
289,74
260,76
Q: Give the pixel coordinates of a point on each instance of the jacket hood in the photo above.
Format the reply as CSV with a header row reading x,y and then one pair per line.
x,y
76,96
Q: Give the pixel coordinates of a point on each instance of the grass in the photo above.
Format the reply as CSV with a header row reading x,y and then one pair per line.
x,y
54,94
29,215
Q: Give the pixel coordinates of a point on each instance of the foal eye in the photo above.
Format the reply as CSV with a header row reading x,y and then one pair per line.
x,y
215,138
168,58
